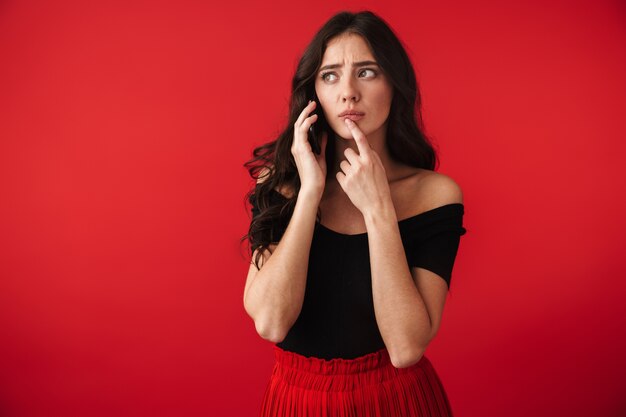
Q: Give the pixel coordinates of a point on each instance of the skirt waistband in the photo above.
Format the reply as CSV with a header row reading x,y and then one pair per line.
x,y
339,374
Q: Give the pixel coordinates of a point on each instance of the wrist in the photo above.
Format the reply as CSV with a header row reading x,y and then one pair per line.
x,y
311,193
381,214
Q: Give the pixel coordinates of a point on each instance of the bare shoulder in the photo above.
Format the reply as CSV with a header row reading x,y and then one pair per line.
x,y
424,190
436,189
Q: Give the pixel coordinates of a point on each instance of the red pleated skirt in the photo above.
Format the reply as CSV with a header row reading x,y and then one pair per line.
x,y
367,386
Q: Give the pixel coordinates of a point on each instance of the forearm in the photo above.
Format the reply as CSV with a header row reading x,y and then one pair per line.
x,y
401,313
274,299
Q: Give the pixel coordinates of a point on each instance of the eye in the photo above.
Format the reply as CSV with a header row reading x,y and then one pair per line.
x,y
324,74
368,69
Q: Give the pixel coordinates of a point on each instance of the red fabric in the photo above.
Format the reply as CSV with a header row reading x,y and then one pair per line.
x,y
367,386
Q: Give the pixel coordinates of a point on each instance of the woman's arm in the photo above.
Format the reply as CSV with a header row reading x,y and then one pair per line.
x,y
408,307
274,294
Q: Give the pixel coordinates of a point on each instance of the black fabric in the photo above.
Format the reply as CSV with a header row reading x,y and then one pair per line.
x,y
337,318
432,239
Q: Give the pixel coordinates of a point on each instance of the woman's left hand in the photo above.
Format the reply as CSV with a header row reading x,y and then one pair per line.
x,y
363,176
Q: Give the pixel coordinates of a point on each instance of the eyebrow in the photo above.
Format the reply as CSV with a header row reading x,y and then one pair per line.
x,y
356,64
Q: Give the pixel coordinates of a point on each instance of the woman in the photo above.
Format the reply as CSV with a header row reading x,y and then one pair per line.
x,y
353,248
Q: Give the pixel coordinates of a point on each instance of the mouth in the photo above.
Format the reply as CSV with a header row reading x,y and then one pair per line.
x,y
353,116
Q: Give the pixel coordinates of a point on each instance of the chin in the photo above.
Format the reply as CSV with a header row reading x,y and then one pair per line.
x,y
345,134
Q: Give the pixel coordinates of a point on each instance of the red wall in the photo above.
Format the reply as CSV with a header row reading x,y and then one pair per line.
x,y
123,130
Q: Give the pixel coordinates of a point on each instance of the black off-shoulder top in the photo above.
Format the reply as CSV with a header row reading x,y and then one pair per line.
x,y
337,317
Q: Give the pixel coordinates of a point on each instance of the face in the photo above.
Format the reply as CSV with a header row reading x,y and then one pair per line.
x,y
351,84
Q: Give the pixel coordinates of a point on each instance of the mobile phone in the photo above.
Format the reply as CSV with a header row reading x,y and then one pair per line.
x,y
317,128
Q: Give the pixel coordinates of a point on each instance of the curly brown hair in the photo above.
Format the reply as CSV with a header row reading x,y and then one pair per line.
x,y
273,166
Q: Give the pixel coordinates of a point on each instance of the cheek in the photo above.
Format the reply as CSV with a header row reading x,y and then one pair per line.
x,y
383,103
383,97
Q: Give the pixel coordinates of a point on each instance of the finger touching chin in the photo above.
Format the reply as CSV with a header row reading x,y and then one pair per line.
x,y
344,132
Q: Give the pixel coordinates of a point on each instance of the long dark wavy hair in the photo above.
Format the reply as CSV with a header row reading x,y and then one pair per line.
x,y
406,140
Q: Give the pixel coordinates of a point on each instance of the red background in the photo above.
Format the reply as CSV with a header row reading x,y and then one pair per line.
x,y
123,130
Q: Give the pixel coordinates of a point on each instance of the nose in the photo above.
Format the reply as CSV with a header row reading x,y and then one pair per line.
x,y
349,93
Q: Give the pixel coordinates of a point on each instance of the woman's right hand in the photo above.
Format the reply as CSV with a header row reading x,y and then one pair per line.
x,y
311,167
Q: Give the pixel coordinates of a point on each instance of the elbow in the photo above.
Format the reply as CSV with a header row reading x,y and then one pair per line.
x,y
270,326
266,328
406,357
269,332
271,335
409,352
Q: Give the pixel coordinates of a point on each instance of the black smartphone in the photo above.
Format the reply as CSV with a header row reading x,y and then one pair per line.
x,y
317,128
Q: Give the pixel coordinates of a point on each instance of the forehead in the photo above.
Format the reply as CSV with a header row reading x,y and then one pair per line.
x,y
346,47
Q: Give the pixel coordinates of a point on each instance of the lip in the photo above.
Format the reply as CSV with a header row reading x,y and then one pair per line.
x,y
353,116
351,111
